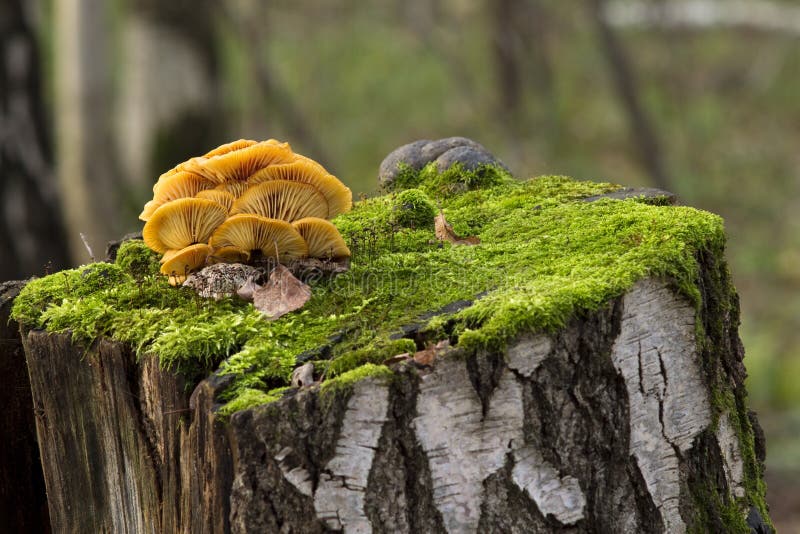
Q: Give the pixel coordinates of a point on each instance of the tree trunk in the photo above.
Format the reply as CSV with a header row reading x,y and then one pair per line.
x,y
87,167
642,133
23,503
31,236
630,419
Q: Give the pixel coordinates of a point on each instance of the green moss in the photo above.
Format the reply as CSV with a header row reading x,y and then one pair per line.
x,y
343,383
413,209
452,181
137,259
545,255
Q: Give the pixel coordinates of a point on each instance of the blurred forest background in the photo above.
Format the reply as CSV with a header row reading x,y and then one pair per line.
x,y
699,97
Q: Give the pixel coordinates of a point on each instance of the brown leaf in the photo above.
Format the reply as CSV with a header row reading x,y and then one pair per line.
x,y
283,293
425,357
444,232
246,290
397,359
428,356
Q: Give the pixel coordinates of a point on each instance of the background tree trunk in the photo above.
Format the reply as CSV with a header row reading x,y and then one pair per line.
x,y
23,502
87,166
31,236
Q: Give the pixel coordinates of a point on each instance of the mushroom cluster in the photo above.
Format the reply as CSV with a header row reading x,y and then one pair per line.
x,y
242,202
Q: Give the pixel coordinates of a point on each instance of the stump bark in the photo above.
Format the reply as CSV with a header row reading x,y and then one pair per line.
x,y
630,419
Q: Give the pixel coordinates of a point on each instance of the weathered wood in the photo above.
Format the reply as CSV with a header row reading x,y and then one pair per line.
x,y
23,503
612,424
122,449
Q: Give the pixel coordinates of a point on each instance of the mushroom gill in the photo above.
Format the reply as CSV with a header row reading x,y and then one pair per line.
x,y
303,170
223,198
182,222
282,199
256,233
179,185
322,238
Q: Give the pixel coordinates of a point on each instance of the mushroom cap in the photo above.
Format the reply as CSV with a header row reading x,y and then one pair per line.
x,y
236,189
168,255
181,184
184,261
223,198
282,199
254,232
229,255
307,171
182,222
322,237
229,147
238,165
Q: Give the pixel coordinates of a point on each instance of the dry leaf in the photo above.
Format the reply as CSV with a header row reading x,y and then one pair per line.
x,y
425,357
397,359
444,232
428,356
283,293
246,290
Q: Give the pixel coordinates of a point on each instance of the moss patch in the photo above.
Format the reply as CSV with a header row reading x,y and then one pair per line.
x,y
545,255
413,209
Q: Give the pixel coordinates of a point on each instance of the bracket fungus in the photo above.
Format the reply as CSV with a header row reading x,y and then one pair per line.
x,y
241,202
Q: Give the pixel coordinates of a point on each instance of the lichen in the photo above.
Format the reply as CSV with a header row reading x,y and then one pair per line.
x,y
545,256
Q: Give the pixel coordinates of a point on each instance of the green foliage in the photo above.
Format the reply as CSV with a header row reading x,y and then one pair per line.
x,y
545,255
413,209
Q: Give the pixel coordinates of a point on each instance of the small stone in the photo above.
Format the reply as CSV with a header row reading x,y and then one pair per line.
x,y
469,157
434,149
410,154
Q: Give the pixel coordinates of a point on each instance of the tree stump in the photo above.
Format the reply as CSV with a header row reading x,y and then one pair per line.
x,y
625,421
575,367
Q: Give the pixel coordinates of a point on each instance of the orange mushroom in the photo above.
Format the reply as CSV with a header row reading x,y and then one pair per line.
x,y
282,199
223,198
322,238
303,170
254,233
179,185
184,261
238,165
182,222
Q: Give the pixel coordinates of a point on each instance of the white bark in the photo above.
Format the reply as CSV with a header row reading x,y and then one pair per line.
x,y
656,354
339,500
732,455
759,14
554,495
